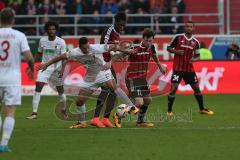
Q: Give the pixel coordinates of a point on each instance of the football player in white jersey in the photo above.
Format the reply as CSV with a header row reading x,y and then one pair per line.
x,y
97,73
12,44
50,46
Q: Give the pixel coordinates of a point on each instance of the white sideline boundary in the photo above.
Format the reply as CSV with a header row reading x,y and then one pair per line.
x,y
128,128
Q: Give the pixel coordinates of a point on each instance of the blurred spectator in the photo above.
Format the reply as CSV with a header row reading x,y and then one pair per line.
x,y
76,8
233,51
167,5
15,5
92,6
29,7
93,20
109,6
181,6
155,8
175,20
205,53
143,4
141,20
125,5
60,7
2,5
44,20
46,8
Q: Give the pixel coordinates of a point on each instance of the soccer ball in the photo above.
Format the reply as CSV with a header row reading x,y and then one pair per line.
x,y
122,110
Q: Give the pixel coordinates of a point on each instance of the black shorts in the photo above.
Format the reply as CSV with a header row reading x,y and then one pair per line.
x,y
188,77
137,87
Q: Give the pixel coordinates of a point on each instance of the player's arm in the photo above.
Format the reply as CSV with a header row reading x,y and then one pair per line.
x,y
156,60
38,56
44,66
172,46
116,57
196,56
29,58
27,55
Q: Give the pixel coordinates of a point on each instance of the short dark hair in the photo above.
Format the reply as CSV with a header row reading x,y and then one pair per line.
x,y
7,16
190,22
51,23
148,33
82,41
120,16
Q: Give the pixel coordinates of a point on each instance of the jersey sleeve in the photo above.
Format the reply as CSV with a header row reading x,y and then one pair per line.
x,y
24,44
174,42
100,48
71,55
63,47
154,50
197,48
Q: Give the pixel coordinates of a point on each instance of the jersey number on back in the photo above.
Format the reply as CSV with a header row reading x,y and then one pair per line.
x,y
5,47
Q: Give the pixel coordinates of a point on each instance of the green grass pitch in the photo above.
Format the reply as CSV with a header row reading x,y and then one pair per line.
x,y
188,136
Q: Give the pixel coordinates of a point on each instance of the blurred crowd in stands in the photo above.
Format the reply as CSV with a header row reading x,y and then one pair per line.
x,y
97,7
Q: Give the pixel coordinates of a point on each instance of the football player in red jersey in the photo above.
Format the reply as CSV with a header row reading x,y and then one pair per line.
x,y
109,36
136,81
185,48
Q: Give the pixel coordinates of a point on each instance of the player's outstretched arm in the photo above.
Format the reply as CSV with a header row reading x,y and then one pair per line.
x,y
161,67
29,58
44,66
177,52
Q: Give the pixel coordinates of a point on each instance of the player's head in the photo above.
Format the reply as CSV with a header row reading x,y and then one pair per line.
x,y
7,16
51,28
84,45
148,36
120,21
189,27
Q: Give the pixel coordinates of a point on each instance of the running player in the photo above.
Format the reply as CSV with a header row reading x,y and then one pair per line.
x,y
49,47
185,48
110,36
136,81
98,73
12,44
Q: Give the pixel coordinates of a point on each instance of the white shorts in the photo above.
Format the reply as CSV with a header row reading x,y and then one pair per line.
x,y
102,77
47,76
10,95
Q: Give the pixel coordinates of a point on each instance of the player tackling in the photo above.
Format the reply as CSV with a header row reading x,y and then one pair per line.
x,y
97,73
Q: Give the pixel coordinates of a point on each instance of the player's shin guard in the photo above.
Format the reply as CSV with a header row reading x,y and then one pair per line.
x,y
81,110
143,110
171,99
63,100
36,100
119,92
199,98
8,126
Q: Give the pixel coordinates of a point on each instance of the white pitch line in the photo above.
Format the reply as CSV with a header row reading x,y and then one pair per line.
x,y
123,129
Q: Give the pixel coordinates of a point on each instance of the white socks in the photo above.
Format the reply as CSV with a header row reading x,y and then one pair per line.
x,y
36,100
81,110
8,126
63,100
119,92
